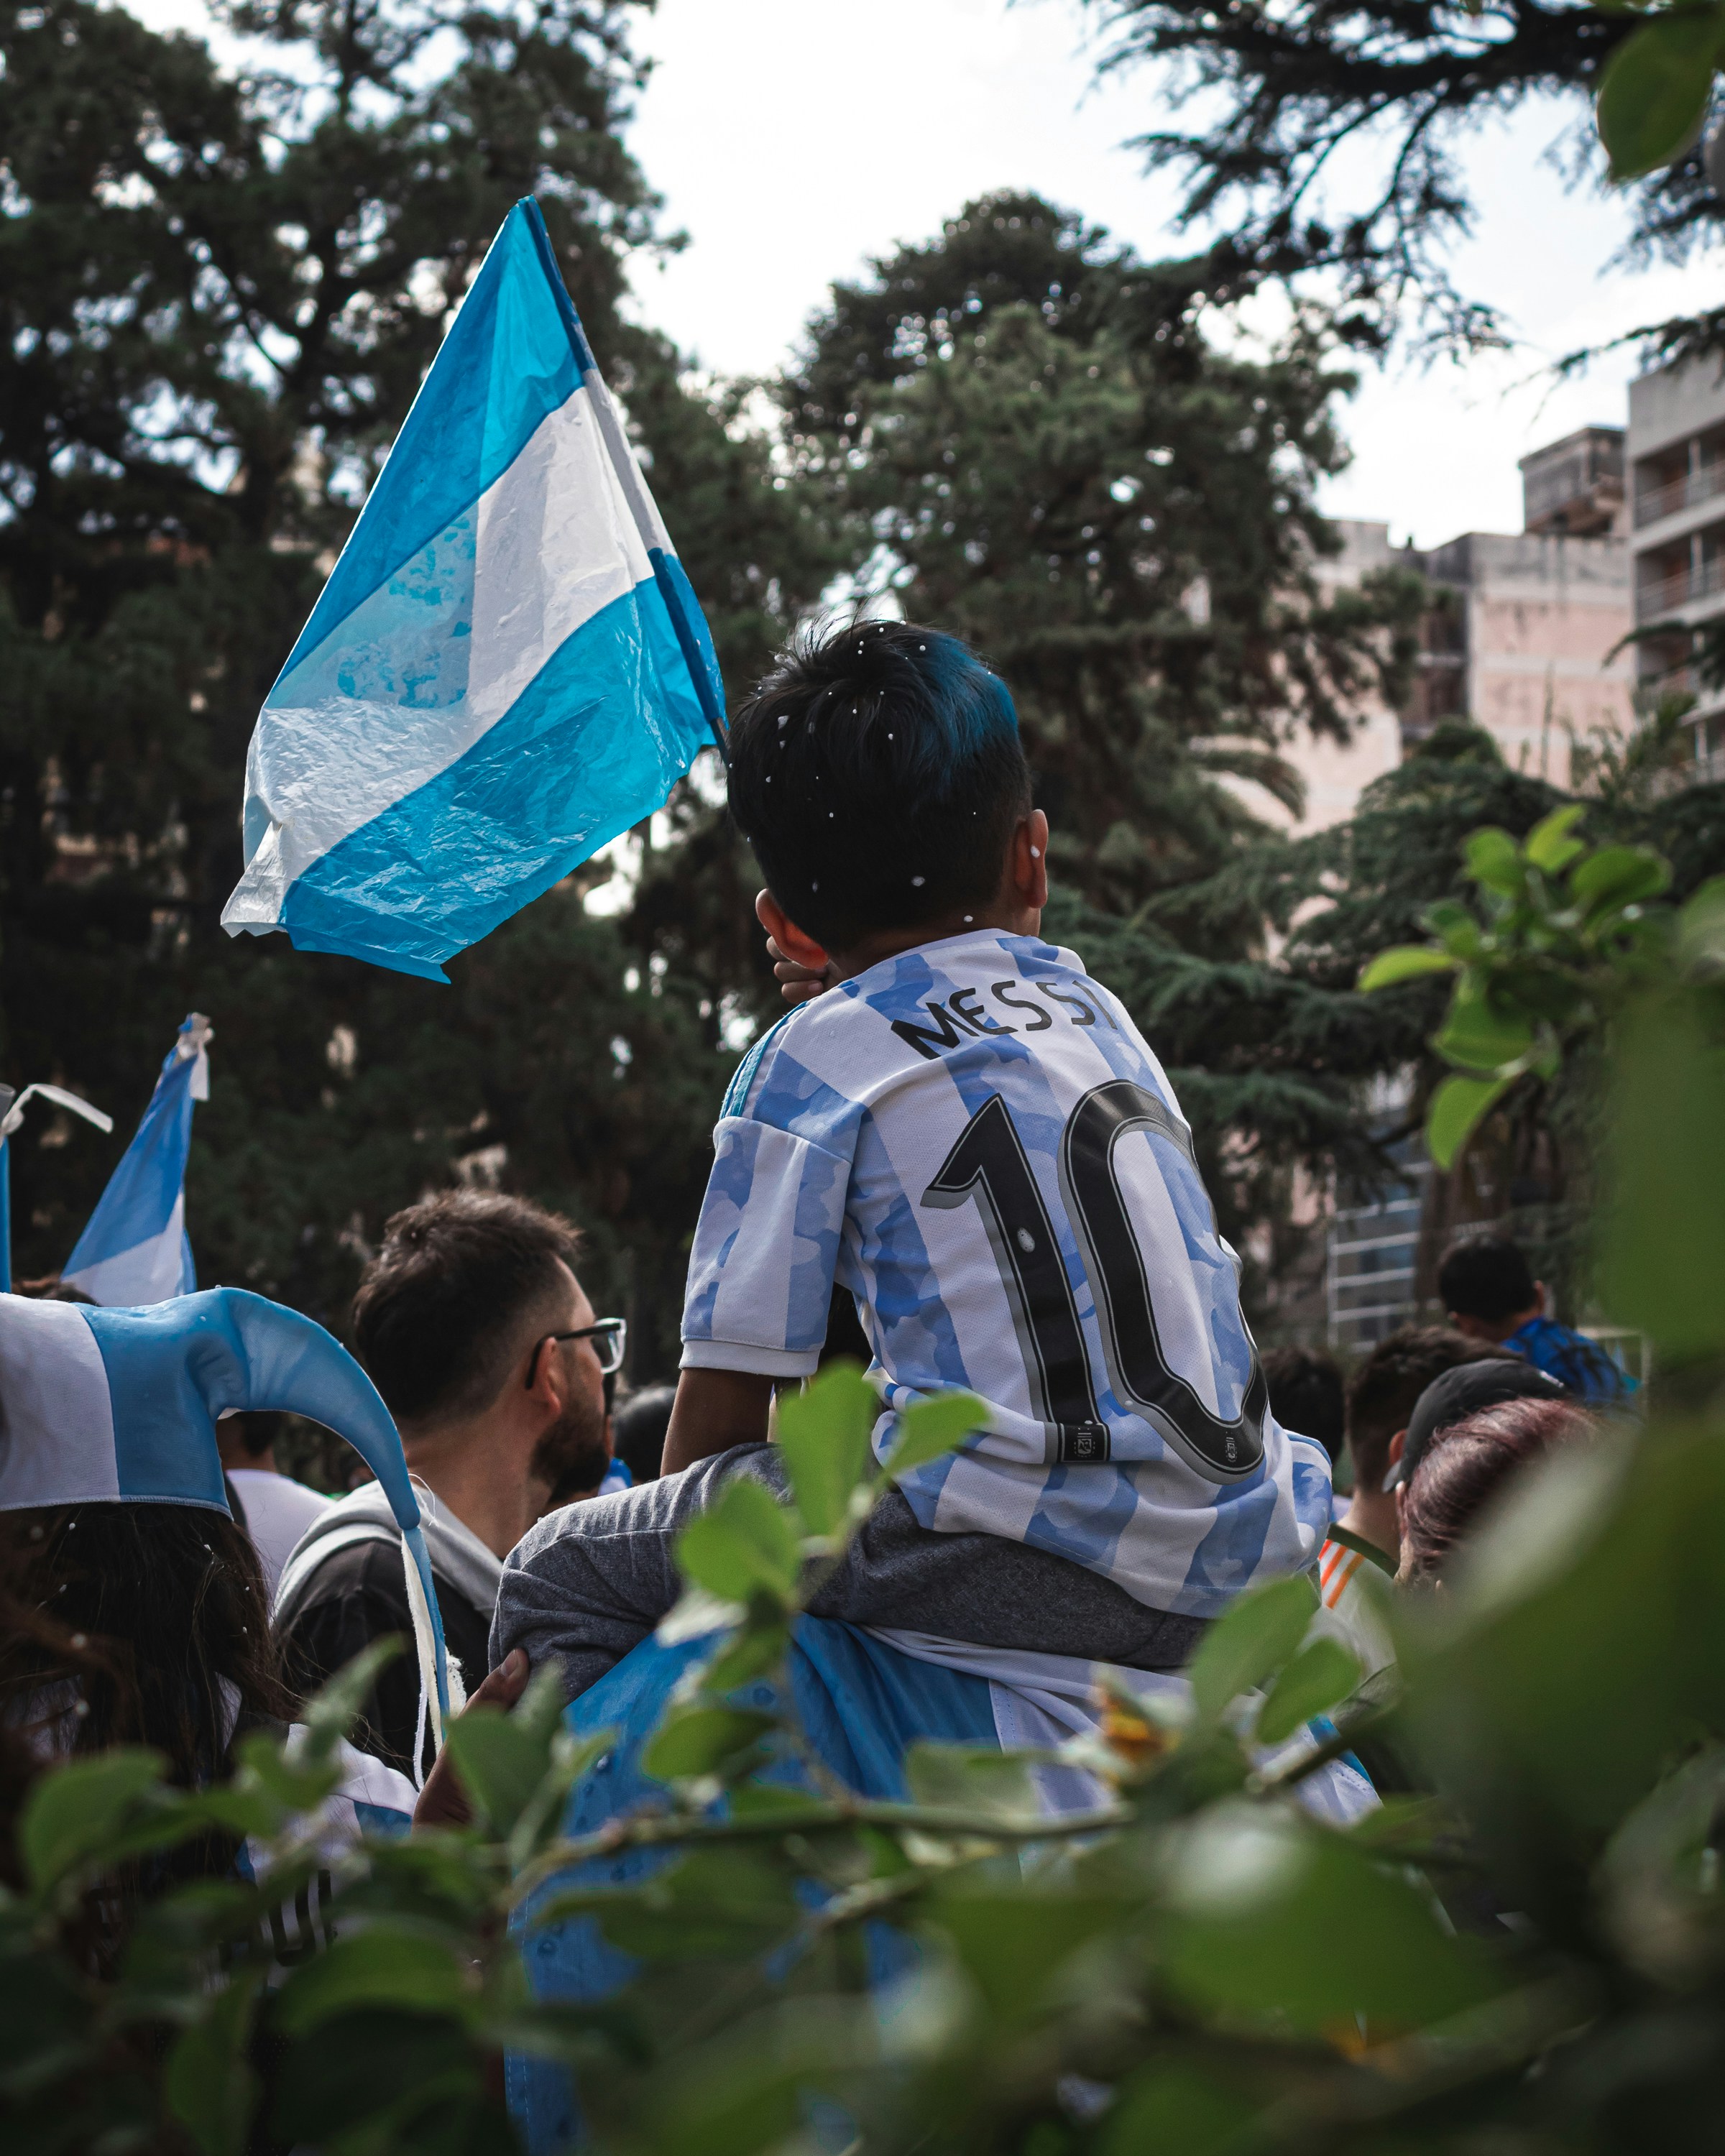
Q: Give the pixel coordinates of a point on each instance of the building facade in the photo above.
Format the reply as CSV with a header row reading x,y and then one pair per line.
x,y
1525,635
1676,489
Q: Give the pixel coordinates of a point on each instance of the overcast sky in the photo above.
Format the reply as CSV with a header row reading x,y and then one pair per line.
x,y
793,139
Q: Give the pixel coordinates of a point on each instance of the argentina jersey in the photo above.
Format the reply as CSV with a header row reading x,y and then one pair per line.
x,y
974,1140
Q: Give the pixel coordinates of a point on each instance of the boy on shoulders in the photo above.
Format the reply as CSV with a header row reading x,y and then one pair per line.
x,y
957,1124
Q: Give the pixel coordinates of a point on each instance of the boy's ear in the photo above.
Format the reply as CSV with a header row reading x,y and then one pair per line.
x,y
801,948
1028,867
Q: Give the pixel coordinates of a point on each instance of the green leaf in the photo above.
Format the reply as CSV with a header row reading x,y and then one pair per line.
x,y
705,1740
1455,926
1407,962
1458,1107
1653,92
1317,1677
1251,1642
74,1813
732,1900
934,1426
1664,1255
1551,845
1013,1946
1168,2106
1493,857
1271,1917
387,1965
1618,875
969,1777
330,1714
1478,1034
503,1758
823,1434
209,2080
746,1541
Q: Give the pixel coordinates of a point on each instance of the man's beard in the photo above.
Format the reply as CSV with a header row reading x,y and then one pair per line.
x,y
572,1456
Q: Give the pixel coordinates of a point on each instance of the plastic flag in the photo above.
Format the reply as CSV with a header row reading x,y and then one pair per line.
x,y
507,667
134,1249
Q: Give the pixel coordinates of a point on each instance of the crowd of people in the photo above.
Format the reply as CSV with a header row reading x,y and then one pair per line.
x,y
954,1127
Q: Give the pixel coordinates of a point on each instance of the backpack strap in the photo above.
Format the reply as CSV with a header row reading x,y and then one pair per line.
x,y
303,1567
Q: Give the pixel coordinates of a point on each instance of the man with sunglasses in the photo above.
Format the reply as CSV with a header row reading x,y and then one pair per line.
x,y
489,1355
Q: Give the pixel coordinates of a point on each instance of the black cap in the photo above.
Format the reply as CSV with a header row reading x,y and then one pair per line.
x,y
1463,1391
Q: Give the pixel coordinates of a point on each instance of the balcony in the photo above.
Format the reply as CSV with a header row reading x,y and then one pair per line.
x,y
1682,492
1659,594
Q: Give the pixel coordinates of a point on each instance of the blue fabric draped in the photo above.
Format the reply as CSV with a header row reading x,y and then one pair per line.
x,y
861,1704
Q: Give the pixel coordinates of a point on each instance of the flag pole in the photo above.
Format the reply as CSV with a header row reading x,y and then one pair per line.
x,y
11,1114
5,1214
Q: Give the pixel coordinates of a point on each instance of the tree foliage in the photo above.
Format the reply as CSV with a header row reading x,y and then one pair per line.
x,y
1328,138
1023,425
219,295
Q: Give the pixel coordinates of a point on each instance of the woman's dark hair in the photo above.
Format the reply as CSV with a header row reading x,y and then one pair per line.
x,y
128,1620
877,773
1467,1467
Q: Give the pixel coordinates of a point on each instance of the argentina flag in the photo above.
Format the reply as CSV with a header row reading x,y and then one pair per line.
x,y
507,667
135,1249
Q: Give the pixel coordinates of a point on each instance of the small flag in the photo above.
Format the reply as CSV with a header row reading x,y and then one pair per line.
x,y
135,1249
507,667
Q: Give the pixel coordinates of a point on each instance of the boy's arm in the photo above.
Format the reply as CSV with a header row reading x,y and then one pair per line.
x,y
714,1410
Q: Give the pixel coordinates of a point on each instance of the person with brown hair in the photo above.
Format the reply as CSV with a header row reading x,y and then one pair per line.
x,y
1381,1398
477,1333
1465,1469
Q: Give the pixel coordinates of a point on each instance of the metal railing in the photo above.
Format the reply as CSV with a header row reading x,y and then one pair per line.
x,y
1662,593
1682,492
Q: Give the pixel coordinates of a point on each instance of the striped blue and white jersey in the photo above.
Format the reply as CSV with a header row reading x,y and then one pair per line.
x,y
974,1140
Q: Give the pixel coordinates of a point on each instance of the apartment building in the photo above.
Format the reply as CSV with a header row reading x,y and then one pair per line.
x,y
1676,489
1525,635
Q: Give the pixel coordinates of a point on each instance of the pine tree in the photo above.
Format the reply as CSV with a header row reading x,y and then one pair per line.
x,y
1024,426
1375,103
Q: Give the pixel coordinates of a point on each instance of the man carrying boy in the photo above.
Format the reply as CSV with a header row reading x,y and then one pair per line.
x,y
963,1129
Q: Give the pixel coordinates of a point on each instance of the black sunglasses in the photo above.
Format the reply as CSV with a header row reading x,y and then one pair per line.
x,y
609,1338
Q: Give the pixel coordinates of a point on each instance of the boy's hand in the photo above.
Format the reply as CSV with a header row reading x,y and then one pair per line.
x,y
798,983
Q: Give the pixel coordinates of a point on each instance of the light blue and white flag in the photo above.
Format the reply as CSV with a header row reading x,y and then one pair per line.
x,y
135,1249
507,667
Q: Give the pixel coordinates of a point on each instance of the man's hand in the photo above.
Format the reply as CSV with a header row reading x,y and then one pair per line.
x,y
714,1410
798,983
443,1802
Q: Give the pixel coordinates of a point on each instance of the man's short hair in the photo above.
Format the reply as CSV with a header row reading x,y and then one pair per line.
x,y
1383,1389
877,773
1485,1277
453,1298
1305,1394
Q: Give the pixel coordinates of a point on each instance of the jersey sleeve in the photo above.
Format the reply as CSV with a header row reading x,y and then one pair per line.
x,y
766,1245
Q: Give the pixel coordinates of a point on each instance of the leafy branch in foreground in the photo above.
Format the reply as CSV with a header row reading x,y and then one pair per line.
x,y
1523,1951
1561,934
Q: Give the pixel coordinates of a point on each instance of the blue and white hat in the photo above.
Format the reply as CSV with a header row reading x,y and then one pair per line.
x,y
120,1406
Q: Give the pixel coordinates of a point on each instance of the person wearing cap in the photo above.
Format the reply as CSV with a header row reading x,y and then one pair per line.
x,y
1489,1290
1364,1541
1459,1394
478,1336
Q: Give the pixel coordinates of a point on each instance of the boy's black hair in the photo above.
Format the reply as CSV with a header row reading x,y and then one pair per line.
x,y
877,773
1305,1395
1485,1277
